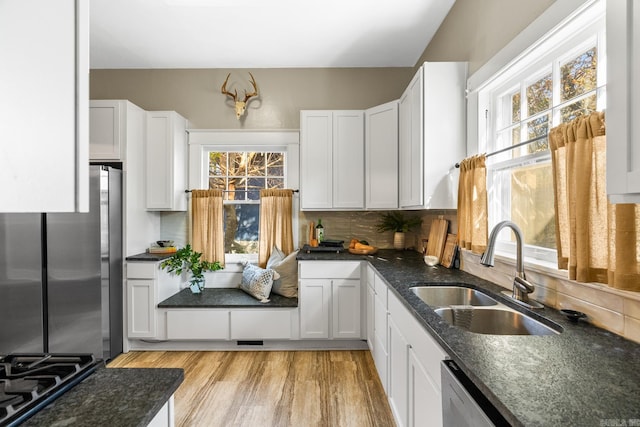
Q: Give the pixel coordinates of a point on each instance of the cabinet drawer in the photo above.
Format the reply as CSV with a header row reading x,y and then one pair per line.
x,y
329,270
261,324
198,325
142,270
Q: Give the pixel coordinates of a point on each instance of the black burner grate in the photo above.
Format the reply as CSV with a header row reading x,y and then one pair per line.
x,y
28,382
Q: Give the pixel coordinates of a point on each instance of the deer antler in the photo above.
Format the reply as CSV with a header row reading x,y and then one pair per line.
x,y
240,105
224,90
255,89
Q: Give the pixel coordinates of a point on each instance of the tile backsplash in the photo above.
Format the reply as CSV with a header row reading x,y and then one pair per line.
x,y
361,225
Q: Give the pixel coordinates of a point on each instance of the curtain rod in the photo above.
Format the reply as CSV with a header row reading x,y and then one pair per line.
x,y
520,144
236,191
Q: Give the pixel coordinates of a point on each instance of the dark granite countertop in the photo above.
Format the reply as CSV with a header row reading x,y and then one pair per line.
x,y
585,376
112,397
223,298
146,256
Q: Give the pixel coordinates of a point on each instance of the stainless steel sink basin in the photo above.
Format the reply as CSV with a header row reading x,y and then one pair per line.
x,y
494,321
442,296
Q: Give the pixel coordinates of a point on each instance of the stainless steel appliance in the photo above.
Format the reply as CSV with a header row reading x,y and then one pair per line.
x,y
61,276
29,382
463,404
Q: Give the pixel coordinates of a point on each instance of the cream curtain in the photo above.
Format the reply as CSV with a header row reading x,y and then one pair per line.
x,y
472,204
596,241
276,217
207,230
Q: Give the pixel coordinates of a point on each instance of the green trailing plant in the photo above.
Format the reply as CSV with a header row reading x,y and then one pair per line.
x,y
396,221
186,259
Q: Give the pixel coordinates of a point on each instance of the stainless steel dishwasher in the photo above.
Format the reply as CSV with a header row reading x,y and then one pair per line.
x,y
463,404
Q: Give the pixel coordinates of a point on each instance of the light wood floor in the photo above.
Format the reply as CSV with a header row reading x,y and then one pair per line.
x,y
272,388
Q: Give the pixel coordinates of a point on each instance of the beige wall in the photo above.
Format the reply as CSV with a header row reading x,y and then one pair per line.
x,y
475,30
195,93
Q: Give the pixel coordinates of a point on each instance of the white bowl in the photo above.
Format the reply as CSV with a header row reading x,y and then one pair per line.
x,y
431,260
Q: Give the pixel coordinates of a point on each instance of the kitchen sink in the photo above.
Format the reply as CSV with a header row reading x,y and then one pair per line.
x,y
494,321
442,296
474,311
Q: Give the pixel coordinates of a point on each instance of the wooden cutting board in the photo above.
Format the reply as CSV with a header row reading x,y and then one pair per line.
x,y
437,237
449,253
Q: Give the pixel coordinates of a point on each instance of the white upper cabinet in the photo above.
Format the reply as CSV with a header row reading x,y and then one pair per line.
x,y
381,156
432,136
623,101
332,159
44,106
106,125
166,165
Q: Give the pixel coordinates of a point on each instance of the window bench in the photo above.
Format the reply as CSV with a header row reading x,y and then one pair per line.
x,y
226,314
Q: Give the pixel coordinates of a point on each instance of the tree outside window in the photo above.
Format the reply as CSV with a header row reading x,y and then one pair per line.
x,y
241,175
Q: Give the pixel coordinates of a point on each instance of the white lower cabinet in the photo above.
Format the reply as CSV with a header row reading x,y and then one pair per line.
x,y
407,359
165,416
261,324
330,300
414,369
147,285
398,369
198,324
425,402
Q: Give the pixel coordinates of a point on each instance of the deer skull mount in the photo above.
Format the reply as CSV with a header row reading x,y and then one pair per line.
x,y
241,106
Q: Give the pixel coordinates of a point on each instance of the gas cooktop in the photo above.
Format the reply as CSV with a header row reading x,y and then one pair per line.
x,y
28,382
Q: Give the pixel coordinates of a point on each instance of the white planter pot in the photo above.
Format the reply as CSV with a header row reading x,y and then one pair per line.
x,y
398,240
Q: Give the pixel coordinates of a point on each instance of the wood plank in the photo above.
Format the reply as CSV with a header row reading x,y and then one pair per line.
x,y
449,253
272,388
437,237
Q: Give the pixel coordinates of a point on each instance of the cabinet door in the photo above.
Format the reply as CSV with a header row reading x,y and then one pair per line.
x,y
44,105
348,159
425,402
623,101
398,374
346,308
316,160
371,301
141,308
314,299
411,143
381,154
105,139
166,157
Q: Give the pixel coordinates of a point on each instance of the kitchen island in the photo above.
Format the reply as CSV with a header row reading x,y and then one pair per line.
x,y
584,376
113,397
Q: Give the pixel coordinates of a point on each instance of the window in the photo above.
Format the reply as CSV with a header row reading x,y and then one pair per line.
x,y
560,79
241,163
241,175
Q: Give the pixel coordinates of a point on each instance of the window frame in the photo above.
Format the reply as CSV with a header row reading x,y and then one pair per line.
x,y
201,142
553,47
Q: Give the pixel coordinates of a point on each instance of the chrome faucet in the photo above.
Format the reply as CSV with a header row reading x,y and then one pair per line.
x,y
521,287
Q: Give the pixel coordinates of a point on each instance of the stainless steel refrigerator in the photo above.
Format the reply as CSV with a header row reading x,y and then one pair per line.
x,y
61,275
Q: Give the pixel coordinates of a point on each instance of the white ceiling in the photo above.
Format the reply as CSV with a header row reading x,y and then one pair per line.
x,y
262,33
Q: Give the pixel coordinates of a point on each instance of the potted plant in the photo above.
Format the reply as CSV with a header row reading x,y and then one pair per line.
x,y
399,224
186,259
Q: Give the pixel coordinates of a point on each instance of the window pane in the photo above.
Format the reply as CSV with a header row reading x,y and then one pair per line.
x,y
255,164
217,184
531,202
237,164
535,128
275,164
275,183
577,109
241,223
578,76
515,107
539,95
